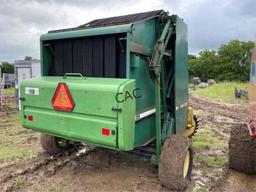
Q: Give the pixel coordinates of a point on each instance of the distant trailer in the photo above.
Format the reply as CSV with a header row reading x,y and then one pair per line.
x,y
25,69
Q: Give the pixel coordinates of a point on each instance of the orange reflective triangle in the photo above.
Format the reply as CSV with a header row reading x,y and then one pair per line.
x,y
62,99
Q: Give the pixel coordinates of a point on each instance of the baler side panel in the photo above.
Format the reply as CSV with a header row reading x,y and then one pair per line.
x,y
45,59
181,75
144,34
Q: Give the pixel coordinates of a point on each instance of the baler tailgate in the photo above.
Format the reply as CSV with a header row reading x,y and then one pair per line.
x,y
78,109
72,126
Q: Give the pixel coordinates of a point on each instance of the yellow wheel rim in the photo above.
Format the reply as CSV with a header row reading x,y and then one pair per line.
x,y
186,164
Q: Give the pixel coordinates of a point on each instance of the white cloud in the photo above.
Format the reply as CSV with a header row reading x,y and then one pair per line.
x,y
210,22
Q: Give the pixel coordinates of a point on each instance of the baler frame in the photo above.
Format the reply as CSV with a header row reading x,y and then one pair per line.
x,y
149,49
169,118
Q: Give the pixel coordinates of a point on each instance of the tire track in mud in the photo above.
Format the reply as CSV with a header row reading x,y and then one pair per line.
x,y
41,166
220,113
219,117
34,170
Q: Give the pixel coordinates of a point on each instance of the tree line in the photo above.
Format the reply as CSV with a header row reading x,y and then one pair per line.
x,y
7,67
230,62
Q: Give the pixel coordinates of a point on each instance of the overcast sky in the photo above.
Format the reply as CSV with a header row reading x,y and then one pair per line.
x,y
210,22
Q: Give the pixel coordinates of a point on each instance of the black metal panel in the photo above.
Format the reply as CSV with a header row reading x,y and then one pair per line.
x,y
122,65
87,60
77,56
100,56
110,57
67,56
97,57
58,58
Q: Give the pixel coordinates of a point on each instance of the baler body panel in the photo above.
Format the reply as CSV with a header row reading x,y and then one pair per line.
x,y
114,53
95,104
126,64
87,32
145,128
181,75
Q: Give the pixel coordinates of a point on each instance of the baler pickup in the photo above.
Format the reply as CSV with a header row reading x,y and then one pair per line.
x,y
97,115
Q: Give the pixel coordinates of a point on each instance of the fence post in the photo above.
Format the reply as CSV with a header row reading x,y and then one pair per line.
x,y
1,92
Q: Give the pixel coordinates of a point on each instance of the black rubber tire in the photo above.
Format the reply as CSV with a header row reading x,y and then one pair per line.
x,y
242,150
172,163
51,146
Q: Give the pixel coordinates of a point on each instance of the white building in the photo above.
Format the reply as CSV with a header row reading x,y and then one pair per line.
x,y
25,69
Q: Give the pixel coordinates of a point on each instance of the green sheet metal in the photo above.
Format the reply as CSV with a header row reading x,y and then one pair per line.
x,y
181,75
95,98
87,32
95,108
145,128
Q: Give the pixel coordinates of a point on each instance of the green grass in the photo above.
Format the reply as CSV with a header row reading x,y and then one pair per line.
x,y
16,152
19,182
15,128
217,161
10,92
212,161
15,118
199,189
222,91
205,139
9,95
13,144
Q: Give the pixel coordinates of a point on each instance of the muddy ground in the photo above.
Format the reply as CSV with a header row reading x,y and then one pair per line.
x,y
24,166
217,119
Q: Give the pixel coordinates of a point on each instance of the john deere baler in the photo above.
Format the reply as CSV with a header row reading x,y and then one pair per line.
x,y
119,83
